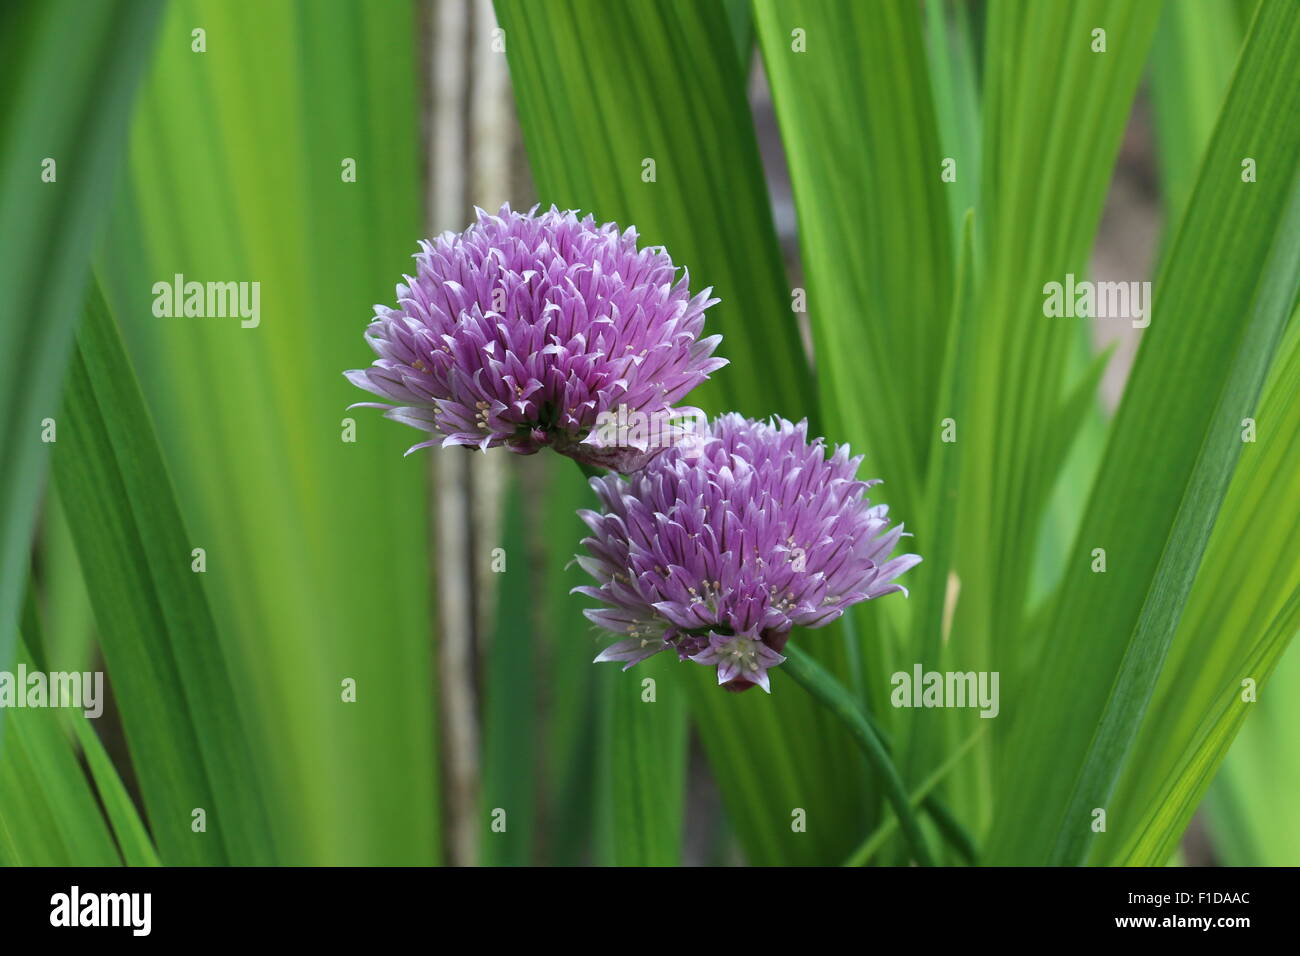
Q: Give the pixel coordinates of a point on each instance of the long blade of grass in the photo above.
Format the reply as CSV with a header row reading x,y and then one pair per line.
x,y
510,738
918,796
174,689
48,813
68,74
1192,59
1178,428
1043,182
680,105
1252,813
133,840
569,688
1242,612
877,250
879,255
818,682
316,528
641,768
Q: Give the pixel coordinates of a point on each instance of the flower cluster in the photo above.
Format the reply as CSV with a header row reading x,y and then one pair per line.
x,y
525,329
717,552
534,331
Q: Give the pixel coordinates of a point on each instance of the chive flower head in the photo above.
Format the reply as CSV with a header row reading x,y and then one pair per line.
x,y
532,330
717,548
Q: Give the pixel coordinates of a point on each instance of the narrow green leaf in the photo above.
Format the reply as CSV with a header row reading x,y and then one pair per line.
x,y
1244,608
1043,182
641,767
918,796
874,232
68,74
132,838
48,814
570,678
316,528
1186,543
680,105
819,683
176,695
1195,50
741,20
926,732
1178,429
950,43
1252,813
878,255
509,724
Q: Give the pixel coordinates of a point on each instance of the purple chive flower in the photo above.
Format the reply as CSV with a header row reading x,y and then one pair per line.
x,y
525,329
718,548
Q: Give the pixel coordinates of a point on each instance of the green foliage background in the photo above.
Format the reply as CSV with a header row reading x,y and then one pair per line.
x,y
1120,690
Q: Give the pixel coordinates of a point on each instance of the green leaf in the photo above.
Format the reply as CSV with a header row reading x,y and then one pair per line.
x,y
1042,196
641,767
1043,181
1178,428
318,558
740,19
1195,50
68,74
951,49
918,796
878,254
1244,609
133,839
176,695
1251,804
927,733
570,677
820,684
680,102
509,729
48,813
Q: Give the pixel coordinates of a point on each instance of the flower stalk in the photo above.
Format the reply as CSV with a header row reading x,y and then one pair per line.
x,y
815,679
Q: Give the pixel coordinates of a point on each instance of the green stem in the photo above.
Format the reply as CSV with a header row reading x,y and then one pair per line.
x,y
939,814
817,681
952,830
591,471
924,797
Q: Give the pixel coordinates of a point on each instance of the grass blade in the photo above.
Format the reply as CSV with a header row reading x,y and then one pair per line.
x,y
1179,428
48,813
878,319
1242,613
317,544
682,106
176,695
68,74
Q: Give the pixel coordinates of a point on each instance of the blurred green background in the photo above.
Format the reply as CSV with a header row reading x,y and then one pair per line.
x,y
354,678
